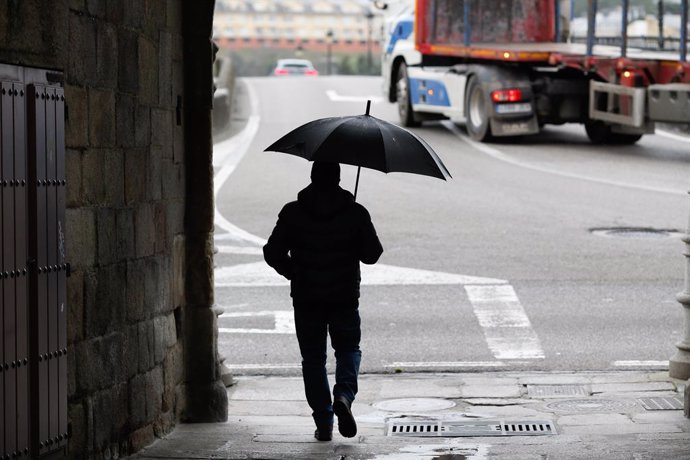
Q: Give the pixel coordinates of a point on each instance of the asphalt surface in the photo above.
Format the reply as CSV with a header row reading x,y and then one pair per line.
x,y
530,214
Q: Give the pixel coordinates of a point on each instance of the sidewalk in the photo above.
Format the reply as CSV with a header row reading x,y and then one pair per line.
x,y
596,415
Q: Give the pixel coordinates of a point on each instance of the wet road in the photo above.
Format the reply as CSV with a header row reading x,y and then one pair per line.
x,y
510,265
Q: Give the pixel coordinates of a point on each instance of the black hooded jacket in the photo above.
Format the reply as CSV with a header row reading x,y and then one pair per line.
x,y
318,243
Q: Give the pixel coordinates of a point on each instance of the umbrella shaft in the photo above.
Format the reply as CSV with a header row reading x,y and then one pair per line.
x,y
359,168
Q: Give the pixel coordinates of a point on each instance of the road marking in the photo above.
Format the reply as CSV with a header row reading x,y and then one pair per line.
x,y
335,97
251,250
444,364
506,327
227,155
673,136
662,365
259,274
238,367
498,155
283,322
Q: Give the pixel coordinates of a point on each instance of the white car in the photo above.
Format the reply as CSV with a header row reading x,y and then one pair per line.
x,y
288,67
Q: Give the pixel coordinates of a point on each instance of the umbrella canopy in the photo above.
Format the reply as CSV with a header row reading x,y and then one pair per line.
x,y
364,141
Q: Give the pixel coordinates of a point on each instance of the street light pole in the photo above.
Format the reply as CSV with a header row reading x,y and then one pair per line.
x,y
679,364
329,44
369,17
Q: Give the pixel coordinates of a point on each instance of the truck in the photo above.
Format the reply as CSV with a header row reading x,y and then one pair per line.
x,y
506,68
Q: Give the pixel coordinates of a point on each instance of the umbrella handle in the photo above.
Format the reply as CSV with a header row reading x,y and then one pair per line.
x,y
357,182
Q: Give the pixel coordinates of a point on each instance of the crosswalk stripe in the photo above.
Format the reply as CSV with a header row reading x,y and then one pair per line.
x,y
507,329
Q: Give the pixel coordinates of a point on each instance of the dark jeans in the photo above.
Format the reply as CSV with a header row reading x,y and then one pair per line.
x,y
313,322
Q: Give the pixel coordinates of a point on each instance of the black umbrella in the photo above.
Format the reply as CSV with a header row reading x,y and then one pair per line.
x,y
362,141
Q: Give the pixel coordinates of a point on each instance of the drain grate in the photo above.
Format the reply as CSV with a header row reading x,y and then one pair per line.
x,y
661,403
434,428
555,391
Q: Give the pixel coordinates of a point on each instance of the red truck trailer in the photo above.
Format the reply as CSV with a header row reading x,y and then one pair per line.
x,y
505,68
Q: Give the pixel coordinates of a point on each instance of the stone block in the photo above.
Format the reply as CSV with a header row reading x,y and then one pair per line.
x,y
146,346
125,119
93,181
161,128
76,125
154,177
81,41
142,134
97,8
686,400
73,176
141,438
152,286
166,335
76,414
103,299
199,279
148,71
113,174
161,245
106,50
135,291
127,62
106,236
154,393
71,371
172,180
102,128
202,352
144,230
166,97
80,230
179,270
137,401
173,372
164,424
100,363
104,407
75,307
136,164
130,348
124,222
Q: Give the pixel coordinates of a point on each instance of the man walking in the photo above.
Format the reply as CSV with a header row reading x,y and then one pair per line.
x,y
318,243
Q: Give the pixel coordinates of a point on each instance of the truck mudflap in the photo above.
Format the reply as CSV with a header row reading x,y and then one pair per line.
x,y
501,127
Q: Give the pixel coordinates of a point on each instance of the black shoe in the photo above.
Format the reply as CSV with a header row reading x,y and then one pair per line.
x,y
324,433
346,422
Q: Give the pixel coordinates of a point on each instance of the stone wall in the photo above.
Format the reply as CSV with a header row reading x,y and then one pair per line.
x,y
131,295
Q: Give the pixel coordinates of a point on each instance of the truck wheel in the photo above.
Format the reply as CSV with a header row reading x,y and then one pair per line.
x,y
598,132
625,139
477,111
402,92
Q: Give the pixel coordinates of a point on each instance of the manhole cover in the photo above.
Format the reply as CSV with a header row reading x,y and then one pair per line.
x,y
414,404
471,428
556,391
592,405
661,403
634,232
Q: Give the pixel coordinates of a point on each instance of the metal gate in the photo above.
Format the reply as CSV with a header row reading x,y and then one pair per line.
x,y
33,341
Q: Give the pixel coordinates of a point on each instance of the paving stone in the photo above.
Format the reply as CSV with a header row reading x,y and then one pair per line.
x,y
419,388
491,391
632,428
632,387
555,379
660,417
594,419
